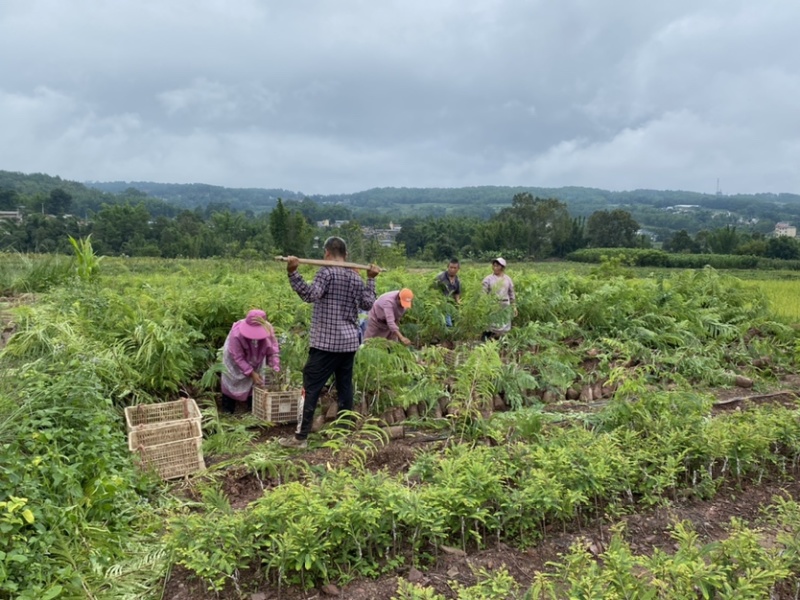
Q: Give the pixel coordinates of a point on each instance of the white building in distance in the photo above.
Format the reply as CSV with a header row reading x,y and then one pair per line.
x,y
784,229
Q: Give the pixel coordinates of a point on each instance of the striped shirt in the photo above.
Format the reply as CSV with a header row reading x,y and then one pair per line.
x,y
337,294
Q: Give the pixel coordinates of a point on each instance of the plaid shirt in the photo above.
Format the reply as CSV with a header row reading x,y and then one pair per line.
x,y
337,294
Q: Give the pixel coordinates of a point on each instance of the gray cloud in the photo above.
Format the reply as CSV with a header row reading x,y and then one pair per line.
x,y
336,97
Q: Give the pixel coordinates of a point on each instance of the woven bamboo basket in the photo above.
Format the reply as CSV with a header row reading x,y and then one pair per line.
x,y
278,407
170,431
158,413
173,459
450,358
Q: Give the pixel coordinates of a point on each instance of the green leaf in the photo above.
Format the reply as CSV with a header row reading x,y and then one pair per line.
x,y
53,592
20,558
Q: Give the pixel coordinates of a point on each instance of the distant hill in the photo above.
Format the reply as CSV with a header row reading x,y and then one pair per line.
x,y
194,195
39,184
32,189
661,211
658,210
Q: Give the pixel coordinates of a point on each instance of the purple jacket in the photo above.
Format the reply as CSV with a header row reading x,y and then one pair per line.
x,y
384,316
241,356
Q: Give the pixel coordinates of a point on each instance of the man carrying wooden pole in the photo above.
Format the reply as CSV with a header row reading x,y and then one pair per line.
x,y
337,293
329,263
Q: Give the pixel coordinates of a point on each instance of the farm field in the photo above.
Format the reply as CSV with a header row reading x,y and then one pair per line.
x,y
636,434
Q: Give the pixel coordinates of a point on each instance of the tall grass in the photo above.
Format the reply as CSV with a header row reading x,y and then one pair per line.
x,y
783,296
28,273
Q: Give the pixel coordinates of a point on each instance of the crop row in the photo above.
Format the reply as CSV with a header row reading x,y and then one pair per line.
x,y
79,521
639,452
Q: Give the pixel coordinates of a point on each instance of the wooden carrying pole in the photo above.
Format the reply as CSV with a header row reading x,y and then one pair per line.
x,y
329,263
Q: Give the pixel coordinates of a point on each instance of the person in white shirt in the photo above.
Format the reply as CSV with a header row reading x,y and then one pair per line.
x,y
503,287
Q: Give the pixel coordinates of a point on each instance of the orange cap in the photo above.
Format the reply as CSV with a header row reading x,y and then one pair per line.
x,y
406,296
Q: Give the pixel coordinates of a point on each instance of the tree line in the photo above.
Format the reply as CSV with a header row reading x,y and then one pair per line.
x,y
530,228
730,240
661,212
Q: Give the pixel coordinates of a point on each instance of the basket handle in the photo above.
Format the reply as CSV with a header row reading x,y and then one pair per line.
x,y
185,408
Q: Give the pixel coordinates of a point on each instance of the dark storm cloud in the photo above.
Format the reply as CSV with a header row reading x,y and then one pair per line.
x,y
334,97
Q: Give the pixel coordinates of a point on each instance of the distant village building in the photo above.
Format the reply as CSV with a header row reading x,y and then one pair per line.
x,y
11,215
784,229
647,233
385,237
682,208
326,223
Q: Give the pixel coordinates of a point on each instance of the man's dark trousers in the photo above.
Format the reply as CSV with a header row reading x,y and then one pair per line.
x,y
319,367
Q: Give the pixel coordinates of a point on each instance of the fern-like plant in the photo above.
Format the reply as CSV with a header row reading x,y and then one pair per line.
x,y
475,381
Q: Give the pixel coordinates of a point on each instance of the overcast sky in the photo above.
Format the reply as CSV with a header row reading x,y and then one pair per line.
x,y
340,96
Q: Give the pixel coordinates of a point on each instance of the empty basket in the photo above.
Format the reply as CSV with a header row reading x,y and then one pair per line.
x,y
158,413
174,459
171,431
278,407
167,436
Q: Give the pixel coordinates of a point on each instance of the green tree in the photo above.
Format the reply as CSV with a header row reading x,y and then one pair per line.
x,y
38,233
58,202
439,239
353,236
230,230
299,235
575,241
9,199
612,229
412,235
724,240
754,247
290,231
536,227
681,242
279,227
783,247
117,225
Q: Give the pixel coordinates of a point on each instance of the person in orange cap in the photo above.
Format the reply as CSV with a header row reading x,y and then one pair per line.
x,y
386,313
